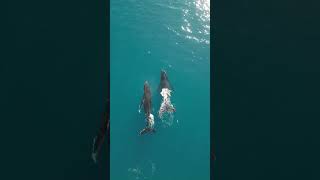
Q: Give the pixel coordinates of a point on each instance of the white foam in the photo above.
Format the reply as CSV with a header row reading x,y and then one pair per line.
x,y
166,107
143,170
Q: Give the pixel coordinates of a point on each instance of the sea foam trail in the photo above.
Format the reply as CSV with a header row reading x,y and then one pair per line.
x,y
166,105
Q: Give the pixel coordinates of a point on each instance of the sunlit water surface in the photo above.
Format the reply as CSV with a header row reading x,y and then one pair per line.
x,y
147,36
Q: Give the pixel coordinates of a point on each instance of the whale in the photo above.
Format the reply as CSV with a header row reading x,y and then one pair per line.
x,y
100,135
165,89
146,103
164,81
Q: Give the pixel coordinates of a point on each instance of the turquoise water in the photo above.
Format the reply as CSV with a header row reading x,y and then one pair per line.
x,y
147,36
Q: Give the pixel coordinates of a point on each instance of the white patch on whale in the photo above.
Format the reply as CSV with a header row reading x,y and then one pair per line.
x,y
151,120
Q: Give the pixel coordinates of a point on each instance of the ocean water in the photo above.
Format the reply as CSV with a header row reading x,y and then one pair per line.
x,y
147,36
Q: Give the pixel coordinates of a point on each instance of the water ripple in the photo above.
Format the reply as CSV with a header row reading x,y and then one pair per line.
x,y
195,22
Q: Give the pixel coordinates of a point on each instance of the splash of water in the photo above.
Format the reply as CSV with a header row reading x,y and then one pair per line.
x,y
145,170
153,166
136,173
166,107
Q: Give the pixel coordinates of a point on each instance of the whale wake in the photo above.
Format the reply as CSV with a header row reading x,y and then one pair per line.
x,y
166,106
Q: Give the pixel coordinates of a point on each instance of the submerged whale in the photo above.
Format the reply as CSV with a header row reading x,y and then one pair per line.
x,y
100,136
147,107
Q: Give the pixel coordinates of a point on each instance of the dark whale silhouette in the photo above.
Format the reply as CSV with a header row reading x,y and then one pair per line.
x,y
165,88
164,81
100,136
147,107
146,99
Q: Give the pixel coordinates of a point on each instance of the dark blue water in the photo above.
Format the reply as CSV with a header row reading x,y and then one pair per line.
x,y
147,36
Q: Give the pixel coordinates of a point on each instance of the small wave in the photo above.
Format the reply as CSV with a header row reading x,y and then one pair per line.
x,y
143,171
167,120
153,168
136,173
195,24
168,6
